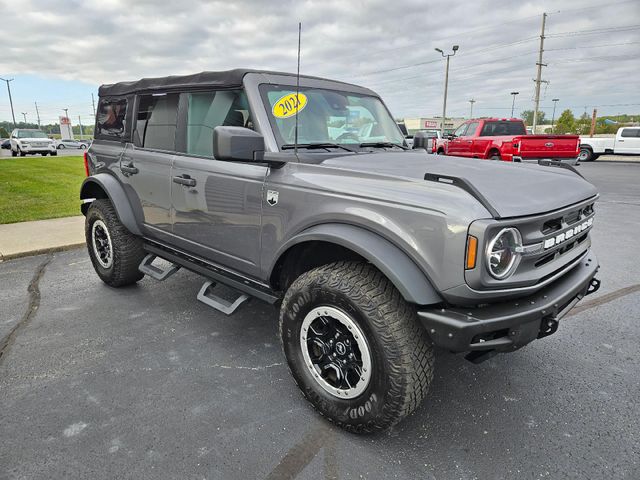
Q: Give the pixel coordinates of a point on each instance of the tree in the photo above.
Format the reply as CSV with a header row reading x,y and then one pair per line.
x,y
583,124
527,117
566,122
3,133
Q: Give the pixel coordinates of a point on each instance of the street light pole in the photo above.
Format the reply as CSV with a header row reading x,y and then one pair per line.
x,y
513,103
553,115
446,85
10,100
472,101
24,115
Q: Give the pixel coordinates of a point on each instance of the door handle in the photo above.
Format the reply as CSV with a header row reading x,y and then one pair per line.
x,y
185,180
469,141
129,168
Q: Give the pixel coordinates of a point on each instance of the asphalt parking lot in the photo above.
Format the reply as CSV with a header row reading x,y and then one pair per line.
x,y
146,382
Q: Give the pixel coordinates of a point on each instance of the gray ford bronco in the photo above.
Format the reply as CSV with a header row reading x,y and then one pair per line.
x,y
373,253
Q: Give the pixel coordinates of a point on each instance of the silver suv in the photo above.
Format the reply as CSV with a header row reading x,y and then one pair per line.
x,y
306,197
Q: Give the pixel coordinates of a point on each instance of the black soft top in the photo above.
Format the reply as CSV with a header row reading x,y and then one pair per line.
x,y
224,79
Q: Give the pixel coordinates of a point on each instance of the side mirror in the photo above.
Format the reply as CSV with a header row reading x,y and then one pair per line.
x,y
238,143
421,140
451,136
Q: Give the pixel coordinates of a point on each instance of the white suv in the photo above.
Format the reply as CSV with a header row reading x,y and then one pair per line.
x,y
24,141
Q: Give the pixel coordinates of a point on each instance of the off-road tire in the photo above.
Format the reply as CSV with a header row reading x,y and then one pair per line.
x,y
127,250
14,153
401,352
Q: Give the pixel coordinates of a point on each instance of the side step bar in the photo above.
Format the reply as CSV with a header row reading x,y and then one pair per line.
x,y
212,271
147,267
206,296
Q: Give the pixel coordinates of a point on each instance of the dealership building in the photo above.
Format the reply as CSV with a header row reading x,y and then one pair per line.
x,y
431,123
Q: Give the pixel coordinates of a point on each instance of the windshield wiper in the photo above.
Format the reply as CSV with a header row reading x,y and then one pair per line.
x,y
382,145
312,146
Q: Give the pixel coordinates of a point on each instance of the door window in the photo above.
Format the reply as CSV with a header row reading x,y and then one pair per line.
x,y
156,121
630,132
460,131
471,129
208,110
111,117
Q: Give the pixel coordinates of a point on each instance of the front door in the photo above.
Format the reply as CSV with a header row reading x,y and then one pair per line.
x,y
217,204
629,141
456,144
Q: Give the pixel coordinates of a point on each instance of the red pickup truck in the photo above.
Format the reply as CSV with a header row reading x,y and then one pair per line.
x,y
506,139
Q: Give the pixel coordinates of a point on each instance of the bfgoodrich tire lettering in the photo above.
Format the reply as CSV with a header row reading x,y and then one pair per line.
x,y
401,353
120,266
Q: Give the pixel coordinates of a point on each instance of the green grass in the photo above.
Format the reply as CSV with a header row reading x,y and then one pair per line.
x,y
36,188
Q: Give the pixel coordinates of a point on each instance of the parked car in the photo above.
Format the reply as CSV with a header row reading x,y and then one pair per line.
x,y
373,252
68,143
507,139
26,141
6,144
626,142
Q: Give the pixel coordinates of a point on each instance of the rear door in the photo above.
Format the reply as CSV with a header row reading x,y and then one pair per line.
x,y
145,164
629,141
217,204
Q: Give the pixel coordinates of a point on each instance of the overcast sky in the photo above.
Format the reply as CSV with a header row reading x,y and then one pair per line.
x,y
59,52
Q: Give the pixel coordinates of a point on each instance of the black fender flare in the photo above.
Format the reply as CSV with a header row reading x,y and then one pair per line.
x,y
116,193
396,265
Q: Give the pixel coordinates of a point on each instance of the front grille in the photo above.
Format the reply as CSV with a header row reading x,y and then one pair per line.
x,y
539,263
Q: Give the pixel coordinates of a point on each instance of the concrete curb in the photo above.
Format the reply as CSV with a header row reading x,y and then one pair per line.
x,y
40,251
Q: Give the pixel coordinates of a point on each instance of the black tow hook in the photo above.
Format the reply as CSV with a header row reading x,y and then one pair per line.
x,y
594,286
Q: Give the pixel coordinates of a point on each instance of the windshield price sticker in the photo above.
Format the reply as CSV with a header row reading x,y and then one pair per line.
x,y
285,107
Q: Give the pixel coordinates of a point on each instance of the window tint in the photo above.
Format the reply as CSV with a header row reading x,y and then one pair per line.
x,y
471,129
156,121
209,110
502,128
630,132
111,117
460,130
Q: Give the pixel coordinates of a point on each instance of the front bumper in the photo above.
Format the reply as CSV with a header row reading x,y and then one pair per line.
x,y
38,149
507,326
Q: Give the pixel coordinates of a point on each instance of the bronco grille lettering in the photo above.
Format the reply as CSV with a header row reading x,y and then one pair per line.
x,y
567,234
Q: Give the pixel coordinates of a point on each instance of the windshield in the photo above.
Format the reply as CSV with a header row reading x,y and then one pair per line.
x,y
31,134
329,117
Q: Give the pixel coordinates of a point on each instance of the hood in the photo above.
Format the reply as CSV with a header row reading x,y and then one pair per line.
x,y
35,139
511,189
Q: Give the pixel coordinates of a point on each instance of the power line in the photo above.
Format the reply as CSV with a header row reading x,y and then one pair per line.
x,y
606,5
595,31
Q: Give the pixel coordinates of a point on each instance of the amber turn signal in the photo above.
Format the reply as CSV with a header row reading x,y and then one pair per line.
x,y
472,251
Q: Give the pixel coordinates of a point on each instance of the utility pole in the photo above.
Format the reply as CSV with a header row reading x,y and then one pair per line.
x,y
10,101
80,123
553,115
592,130
93,102
513,103
24,115
472,101
37,113
539,76
446,85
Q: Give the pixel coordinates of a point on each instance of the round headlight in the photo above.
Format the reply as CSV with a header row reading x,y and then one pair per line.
x,y
503,253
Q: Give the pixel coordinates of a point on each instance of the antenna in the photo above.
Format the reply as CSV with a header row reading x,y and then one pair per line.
x,y
295,140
